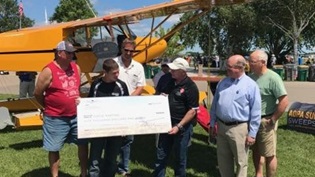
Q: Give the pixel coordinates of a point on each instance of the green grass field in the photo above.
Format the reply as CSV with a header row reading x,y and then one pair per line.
x,y
22,155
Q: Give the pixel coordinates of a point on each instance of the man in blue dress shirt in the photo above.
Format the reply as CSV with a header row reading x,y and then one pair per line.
x,y
236,107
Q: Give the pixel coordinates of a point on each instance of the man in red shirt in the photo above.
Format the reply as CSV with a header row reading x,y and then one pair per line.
x,y
57,90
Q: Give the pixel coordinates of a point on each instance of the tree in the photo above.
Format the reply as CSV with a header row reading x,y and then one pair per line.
x,y
9,16
174,47
73,10
224,31
289,16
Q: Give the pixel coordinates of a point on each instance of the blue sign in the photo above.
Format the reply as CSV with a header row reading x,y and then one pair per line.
x,y
301,117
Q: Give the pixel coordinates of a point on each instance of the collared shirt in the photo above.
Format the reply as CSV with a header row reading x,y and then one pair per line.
x,y
271,88
133,75
237,100
183,97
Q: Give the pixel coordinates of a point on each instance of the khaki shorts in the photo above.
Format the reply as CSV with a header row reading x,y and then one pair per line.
x,y
266,139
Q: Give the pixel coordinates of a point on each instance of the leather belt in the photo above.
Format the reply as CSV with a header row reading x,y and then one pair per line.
x,y
232,123
267,115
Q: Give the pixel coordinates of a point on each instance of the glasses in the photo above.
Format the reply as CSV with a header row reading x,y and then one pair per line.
x,y
233,66
69,53
254,62
127,50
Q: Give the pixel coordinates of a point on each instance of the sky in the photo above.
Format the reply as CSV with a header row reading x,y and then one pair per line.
x,y
35,9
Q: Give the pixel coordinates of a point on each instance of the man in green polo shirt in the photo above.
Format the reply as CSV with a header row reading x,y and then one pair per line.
x,y
274,103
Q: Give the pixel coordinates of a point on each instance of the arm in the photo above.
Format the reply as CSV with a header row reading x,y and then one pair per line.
x,y
137,91
187,118
43,82
282,105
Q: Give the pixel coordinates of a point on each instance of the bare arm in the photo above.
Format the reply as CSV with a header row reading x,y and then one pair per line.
x,y
187,118
43,82
282,105
138,91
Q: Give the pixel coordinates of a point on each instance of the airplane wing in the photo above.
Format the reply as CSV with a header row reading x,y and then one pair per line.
x,y
157,10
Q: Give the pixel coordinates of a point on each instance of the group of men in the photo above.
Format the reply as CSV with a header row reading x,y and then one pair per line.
x,y
247,109
58,91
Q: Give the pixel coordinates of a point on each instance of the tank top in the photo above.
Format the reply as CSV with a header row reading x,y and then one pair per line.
x,y
60,96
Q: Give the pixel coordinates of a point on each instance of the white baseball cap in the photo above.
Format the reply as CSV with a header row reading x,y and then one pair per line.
x,y
179,63
65,45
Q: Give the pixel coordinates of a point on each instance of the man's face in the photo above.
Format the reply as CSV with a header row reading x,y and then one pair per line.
x,y
127,51
165,69
255,64
112,75
66,55
233,70
177,74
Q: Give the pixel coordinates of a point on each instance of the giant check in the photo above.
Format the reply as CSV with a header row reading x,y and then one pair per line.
x,y
129,115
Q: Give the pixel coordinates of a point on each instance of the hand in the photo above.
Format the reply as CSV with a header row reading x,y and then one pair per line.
x,y
164,94
212,135
77,101
174,130
271,121
249,141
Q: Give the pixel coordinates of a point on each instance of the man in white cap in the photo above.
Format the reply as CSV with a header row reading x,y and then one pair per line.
x,y
183,100
57,90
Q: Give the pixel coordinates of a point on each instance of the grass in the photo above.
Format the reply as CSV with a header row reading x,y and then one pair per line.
x,y
22,155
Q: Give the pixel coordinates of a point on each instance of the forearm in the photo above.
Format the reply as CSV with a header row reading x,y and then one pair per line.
x,y
189,116
137,91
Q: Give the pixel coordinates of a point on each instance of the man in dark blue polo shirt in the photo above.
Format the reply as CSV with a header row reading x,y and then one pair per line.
x,y
183,99
27,83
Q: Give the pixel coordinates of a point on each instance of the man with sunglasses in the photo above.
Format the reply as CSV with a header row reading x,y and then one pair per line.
x,y
132,73
57,90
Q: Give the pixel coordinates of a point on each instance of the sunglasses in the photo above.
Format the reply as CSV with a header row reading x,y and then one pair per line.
x,y
127,50
69,53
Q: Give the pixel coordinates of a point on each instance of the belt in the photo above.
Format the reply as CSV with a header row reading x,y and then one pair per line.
x,y
267,115
232,123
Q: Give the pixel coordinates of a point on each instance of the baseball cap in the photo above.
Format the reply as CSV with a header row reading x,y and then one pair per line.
x,y
65,45
179,63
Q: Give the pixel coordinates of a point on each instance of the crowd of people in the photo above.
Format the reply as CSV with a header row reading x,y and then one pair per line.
x,y
245,109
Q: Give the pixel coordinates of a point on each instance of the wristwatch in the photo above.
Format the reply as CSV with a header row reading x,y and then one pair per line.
x,y
180,127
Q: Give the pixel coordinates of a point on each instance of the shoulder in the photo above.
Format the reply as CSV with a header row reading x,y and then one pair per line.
x,y
121,82
137,64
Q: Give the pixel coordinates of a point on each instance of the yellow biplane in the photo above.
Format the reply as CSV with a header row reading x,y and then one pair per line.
x,y
30,49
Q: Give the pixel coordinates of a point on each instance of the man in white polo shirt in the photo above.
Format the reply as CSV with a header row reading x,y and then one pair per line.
x,y
132,73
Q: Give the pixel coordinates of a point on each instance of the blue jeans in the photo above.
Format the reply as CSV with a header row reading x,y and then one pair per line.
x,y
60,130
111,145
180,143
125,154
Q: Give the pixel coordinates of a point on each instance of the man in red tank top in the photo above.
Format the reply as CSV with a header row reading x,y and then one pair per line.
x,y
57,90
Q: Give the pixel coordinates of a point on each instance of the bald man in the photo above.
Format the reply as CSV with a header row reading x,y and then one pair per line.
x,y
236,107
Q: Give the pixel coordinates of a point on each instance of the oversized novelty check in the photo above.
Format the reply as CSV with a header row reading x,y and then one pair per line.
x,y
128,115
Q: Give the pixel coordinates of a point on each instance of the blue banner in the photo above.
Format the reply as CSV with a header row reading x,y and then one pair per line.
x,y
301,117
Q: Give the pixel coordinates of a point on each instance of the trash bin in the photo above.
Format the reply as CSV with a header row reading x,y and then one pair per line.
x,y
311,73
155,70
147,71
279,70
290,72
302,72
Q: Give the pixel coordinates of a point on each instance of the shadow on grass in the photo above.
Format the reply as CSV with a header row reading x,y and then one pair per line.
x,y
201,158
8,129
44,172
27,145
